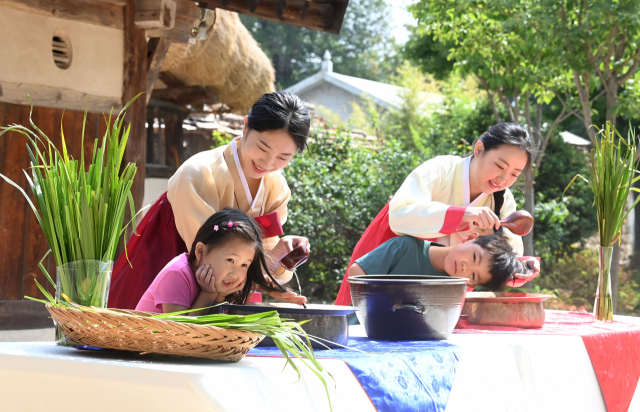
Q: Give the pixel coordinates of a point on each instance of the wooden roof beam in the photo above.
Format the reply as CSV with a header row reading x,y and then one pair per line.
x,y
156,51
185,95
322,15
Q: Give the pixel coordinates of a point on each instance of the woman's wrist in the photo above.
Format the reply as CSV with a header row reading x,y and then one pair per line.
x,y
279,270
273,260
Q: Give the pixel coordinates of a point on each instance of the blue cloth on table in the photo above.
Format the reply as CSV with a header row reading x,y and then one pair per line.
x,y
401,376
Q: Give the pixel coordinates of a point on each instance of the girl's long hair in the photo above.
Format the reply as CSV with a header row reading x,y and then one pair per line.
x,y
245,228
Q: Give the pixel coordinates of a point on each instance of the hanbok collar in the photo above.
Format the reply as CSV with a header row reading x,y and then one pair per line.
x,y
242,194
243,179
466,187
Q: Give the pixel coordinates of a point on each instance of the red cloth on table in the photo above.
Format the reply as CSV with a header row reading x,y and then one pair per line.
x,y
613,347
155,245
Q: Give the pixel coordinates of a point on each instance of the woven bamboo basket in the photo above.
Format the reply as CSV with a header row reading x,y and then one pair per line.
x,y
125,331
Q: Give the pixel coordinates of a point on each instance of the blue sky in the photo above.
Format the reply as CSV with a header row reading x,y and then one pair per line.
x,y
401,17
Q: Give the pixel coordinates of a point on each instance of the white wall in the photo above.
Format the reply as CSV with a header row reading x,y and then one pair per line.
x,y
28,335
27,66
332,97
153,188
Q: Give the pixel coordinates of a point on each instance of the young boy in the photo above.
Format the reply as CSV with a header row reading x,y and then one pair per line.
x,y
485,260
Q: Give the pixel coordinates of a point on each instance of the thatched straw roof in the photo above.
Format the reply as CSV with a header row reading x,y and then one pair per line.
x,y
229,60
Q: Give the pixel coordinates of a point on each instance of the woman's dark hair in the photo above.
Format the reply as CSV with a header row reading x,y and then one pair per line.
x,y
504,263
508,133
281,111
244,228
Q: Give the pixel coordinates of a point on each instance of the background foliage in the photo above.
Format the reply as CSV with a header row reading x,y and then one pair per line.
x,y
336,190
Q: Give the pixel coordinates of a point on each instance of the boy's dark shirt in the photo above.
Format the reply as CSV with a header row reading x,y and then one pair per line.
x,y
404,255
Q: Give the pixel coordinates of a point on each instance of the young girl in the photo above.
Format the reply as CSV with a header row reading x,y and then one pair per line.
x,y
446,194
244,174
225,263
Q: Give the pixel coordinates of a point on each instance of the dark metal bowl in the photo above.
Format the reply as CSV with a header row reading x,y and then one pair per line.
x,y
408,307
328,322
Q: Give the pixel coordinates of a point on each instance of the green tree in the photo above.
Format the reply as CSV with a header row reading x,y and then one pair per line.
x,y
562,163
364,48
451,130
598,44
509,63
430,55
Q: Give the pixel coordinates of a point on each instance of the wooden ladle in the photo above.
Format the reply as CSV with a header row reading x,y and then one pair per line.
x,y
519,222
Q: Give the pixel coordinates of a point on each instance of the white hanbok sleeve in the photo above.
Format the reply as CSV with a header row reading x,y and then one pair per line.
x,y
412,211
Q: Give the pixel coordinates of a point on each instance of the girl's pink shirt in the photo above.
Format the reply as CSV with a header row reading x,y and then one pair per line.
x,y
175,284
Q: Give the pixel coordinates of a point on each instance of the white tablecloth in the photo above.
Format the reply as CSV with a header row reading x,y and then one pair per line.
x,y
512,372
38,377
496,373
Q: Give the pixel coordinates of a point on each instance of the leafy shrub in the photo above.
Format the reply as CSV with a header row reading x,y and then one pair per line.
x,y
573,279
337,189
560,164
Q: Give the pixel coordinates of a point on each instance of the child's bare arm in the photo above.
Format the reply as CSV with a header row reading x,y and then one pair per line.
x,y
207,297
356,270
204,300
170,308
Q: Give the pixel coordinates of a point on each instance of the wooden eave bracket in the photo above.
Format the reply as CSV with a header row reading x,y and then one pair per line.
x,y
155,14
321,15
157,50
187,17
186,95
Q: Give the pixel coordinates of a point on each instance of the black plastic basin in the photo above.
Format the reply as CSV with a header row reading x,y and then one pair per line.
x,y
408,307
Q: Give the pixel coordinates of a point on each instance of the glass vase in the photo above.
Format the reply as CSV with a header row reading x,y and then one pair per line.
x,y
603,306
85,282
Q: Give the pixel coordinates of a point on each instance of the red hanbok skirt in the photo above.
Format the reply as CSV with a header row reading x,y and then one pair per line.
x,y
376,234
156,244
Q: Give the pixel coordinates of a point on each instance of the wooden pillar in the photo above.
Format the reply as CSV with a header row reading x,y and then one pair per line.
x,y
174,138
155,137
157,50
135,81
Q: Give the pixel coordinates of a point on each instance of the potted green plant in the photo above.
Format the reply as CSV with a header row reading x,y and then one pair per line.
x,y
81,208
613,172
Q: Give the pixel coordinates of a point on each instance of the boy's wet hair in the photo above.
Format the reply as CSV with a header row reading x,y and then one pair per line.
x,y
216,231
504,263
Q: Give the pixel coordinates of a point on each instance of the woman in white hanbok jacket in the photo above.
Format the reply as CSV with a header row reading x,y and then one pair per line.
x,y
444,196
